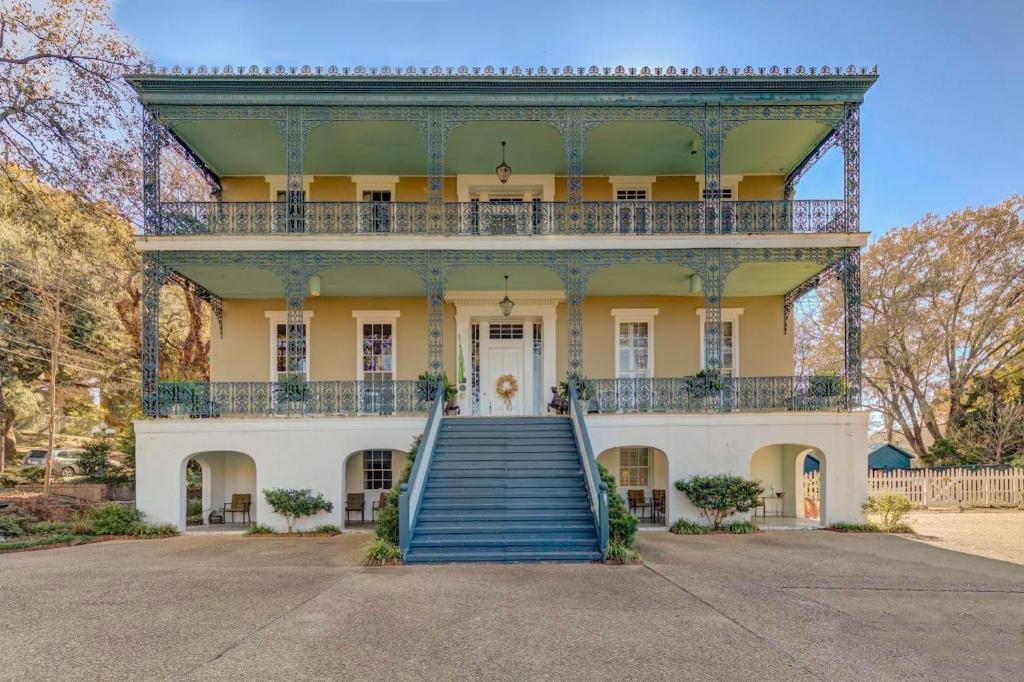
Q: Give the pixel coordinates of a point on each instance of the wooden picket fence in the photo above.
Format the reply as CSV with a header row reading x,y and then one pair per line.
x,y
942,487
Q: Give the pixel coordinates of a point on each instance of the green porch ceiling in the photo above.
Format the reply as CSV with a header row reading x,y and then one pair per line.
x,y
231,147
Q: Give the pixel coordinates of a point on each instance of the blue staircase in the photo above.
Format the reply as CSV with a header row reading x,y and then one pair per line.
x,y
505,489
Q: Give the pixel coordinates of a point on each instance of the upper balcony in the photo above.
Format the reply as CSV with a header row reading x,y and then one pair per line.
x,y
573,152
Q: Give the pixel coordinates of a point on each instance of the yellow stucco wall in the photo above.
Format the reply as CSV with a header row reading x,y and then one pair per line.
x,y
332,188
675,188
244,188
762,187
243,354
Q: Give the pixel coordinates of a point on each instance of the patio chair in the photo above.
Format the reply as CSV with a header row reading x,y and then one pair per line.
x,y
637,500
658,504
379,503
356,502
240,503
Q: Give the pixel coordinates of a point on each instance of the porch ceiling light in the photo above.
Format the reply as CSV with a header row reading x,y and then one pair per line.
x,y
314,285
506,303
503,171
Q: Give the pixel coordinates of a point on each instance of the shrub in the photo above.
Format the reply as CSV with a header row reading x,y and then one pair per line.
x,y
387,518
381,552
892,508
619,553
259,529
44,540
621,524
194,513
842,527
741,527
142,529
94,458
684,527
114,519
721,496
294,504
50,528
327,529
33,474
9,478
10,526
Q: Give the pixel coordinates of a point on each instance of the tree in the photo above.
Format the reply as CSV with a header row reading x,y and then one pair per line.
x,y
295,504
943,304
721,496
63,94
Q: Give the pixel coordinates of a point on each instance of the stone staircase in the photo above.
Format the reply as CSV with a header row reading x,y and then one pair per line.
x,y
505,489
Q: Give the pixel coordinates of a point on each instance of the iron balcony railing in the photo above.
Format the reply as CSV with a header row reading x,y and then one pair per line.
x,y
296,398
711,394
501,218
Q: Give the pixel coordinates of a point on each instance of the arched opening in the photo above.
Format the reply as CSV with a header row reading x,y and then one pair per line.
x,y
793,476
641,479
367,478
218,490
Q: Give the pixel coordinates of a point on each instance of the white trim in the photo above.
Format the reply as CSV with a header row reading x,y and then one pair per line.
x,y
726,182
279,183
375,183
627,182
479,186
376,317
276,317
728,315
625,315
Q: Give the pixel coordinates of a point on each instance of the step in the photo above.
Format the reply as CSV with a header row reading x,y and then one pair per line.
x,y
463,422
492,526
500,482
445,555
508,473
512,505
535,540
508,464
578,515
481,494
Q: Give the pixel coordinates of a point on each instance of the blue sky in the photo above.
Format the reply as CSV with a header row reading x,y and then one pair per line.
x,y
941,129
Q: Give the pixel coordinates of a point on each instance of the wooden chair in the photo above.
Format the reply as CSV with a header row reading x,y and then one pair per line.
x,y
356,502
637,500
378,504
240,504
657,504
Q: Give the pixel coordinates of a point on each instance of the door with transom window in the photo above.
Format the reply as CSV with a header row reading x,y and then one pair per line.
x,y
504,358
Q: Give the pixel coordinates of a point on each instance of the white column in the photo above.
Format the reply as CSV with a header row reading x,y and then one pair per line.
x,y
548,334
465,346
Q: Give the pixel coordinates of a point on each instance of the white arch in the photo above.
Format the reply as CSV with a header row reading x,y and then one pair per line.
x,y
352,481
659,480
780,466
225,472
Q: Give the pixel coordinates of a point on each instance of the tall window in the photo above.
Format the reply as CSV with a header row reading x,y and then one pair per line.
x,y
375,213
378,351
634,349
377,470
295,221
279,368
730,341
632,210
634,467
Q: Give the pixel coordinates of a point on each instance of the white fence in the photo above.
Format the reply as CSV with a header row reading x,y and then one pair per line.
x,y
941,487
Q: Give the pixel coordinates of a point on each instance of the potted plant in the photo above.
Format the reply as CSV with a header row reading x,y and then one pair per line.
x,y
585,389
292,393
826,388
705,384
427,384
177,396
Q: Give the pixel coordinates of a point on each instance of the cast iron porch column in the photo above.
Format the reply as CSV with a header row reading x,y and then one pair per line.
x,y
154,136
852,324
712,134
713,276
154,274
574,140
575,281
434,278
850,139
435,133
294,133
294,275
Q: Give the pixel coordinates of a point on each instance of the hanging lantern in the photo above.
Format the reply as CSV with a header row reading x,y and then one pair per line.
x,y
503,171
506,303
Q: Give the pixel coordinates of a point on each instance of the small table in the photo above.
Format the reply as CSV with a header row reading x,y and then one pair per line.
x,y
764,504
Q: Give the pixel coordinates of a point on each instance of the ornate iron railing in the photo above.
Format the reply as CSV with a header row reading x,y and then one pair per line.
x,y
705,394
502,218
296,398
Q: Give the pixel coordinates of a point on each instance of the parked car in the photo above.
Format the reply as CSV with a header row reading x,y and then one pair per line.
x,y
65,460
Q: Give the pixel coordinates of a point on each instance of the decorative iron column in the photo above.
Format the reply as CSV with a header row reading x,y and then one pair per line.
x,y
850,140
852,324
154,136
434,278
154,274
575,281
294,132
713,276
295,274
436,135
712,139
573,139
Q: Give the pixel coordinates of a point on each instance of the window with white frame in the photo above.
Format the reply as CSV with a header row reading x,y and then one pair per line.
x,y
730,341
279,345
376,336
632,210
377,471
634,467
376,212
728,188
634,342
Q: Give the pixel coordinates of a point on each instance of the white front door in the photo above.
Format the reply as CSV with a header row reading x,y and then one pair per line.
x,y
504,359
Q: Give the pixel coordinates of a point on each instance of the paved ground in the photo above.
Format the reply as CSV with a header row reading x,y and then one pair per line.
x,y
997,534
796,605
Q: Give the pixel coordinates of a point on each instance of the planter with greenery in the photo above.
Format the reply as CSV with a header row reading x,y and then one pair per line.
x,y
719,497
294,504
292,393
426,387
705,384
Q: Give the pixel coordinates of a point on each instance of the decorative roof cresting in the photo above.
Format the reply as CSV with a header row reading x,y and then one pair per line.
x,y
515,71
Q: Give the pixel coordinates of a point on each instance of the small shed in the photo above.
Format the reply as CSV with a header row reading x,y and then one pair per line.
x,y
888,456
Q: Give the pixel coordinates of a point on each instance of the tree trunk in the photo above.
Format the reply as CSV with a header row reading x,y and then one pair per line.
x,y
8,439
54,349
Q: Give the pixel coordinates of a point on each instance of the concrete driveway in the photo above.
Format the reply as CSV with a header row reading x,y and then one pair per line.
x,y
796,605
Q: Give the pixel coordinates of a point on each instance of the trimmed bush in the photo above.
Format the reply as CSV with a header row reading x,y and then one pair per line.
x,y
294,504
684,527
95,457
387,518
381,552
259,529
741,527
621,524
114,519
721,496
892,508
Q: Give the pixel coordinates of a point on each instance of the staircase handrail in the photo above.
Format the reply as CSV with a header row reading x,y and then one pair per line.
x,y
597,489
411,492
